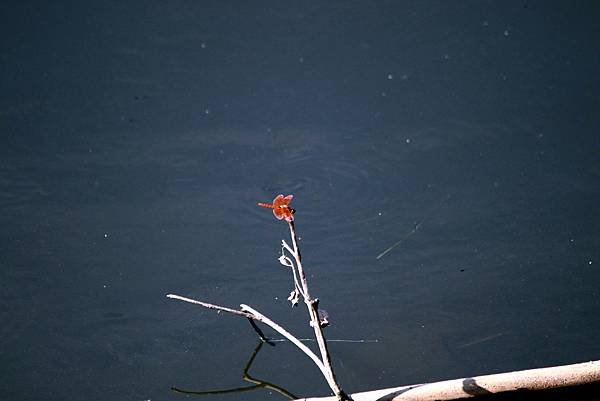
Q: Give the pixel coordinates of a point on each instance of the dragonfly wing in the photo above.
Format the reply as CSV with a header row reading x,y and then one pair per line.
x,y
280,207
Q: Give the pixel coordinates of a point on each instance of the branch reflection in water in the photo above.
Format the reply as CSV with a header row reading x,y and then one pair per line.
x,y
258,384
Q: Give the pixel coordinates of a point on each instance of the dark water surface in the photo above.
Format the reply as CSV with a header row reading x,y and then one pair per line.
x,y
137,137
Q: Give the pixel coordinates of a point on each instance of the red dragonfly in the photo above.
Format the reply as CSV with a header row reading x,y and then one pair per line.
x,y
280,207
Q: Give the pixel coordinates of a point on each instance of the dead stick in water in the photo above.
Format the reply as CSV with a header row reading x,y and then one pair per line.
x,y
522,382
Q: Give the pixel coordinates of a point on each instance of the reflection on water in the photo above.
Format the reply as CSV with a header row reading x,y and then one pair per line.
x,y
258,384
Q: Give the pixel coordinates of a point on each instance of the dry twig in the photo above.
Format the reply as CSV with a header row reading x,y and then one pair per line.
x,y
281,210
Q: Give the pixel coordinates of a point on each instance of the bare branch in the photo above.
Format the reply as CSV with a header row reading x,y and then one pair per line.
x,y
286,261
211,306
262,318
313,311
251,313
287,247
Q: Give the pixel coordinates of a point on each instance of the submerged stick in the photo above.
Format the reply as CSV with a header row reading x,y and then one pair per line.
x,y
411,232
